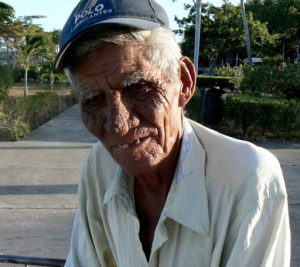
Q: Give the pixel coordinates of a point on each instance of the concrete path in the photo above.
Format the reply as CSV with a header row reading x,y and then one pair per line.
x,y
38,186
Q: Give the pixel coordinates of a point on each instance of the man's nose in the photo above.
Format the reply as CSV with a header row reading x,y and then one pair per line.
x,y
120,118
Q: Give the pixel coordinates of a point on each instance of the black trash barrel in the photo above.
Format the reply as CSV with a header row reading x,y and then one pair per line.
x,y
212,106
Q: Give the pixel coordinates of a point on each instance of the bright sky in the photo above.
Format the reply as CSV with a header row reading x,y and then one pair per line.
x,y
57,11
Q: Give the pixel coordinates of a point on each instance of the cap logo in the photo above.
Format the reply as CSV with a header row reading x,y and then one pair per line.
x,y
88,10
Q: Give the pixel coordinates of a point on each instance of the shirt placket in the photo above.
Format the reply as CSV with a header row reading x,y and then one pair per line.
x,y
126,200
160,237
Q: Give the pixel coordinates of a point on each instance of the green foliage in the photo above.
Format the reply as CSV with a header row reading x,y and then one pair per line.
x,y
250,117
27,46
13,124
6,80
39,108
6,12
32,48
47,74
273,25
255,116
273,77
235,73
289,81
283,19
194,107
19,116
262,41
215,81
31,53
222,34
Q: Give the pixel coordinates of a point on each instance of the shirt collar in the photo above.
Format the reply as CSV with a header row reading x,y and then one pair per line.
x,y
122,187
187,201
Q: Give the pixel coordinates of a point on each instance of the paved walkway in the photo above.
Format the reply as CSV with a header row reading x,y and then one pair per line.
x,y
38,185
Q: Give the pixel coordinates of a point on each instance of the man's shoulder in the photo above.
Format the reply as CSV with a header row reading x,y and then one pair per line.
x,y
222,147
237,163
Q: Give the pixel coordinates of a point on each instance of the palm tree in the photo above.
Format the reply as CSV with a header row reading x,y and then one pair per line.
x,y
28,54
6,12
6,16
246,30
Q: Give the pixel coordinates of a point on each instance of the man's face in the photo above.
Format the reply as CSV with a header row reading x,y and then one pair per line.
x,y
129,107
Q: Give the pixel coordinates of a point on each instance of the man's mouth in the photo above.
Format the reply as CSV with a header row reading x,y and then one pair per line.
x,y
132,143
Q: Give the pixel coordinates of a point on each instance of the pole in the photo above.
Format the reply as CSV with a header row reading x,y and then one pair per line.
x,y
247,35
197,34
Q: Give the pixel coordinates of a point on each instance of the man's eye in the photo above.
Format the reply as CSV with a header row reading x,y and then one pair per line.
x,y
141,88
94,103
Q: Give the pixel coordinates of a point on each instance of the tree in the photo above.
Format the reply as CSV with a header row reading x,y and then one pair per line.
x,y
6,75
29,54
282,18
47,70
6,13
13,37
223,34
223,37
6,80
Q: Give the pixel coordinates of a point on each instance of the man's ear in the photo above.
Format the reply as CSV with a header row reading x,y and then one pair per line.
x,y
188,80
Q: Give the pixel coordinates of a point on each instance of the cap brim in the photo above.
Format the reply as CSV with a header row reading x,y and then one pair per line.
x,y
127,22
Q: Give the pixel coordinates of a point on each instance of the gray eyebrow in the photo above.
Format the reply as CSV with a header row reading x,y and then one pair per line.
x,y
86,93
134,77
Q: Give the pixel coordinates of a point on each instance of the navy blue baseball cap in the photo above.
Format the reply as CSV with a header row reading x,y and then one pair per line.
x,y
88,14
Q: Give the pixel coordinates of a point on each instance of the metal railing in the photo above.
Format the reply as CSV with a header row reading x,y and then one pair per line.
x,y
32,261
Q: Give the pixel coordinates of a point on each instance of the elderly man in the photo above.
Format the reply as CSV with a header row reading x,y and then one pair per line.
x,y
159,189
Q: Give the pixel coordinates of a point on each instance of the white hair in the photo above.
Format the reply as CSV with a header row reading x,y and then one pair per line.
x,y
161,48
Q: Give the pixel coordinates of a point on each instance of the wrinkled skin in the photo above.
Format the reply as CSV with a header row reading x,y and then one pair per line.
x,y
137,115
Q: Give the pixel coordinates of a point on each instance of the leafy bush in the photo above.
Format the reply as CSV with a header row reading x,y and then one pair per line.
x,y
19,116
18,75
13,125
39,108
271,78
235,73
213,81
250,117
289,81
255,116
194,107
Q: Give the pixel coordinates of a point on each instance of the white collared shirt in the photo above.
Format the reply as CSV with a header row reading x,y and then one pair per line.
x,y
227,206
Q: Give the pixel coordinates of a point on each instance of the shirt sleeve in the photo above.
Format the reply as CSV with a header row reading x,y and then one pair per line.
x,y
263,239
89,241
81,253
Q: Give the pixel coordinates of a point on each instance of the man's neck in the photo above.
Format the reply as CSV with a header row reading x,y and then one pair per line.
x,y
150,192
